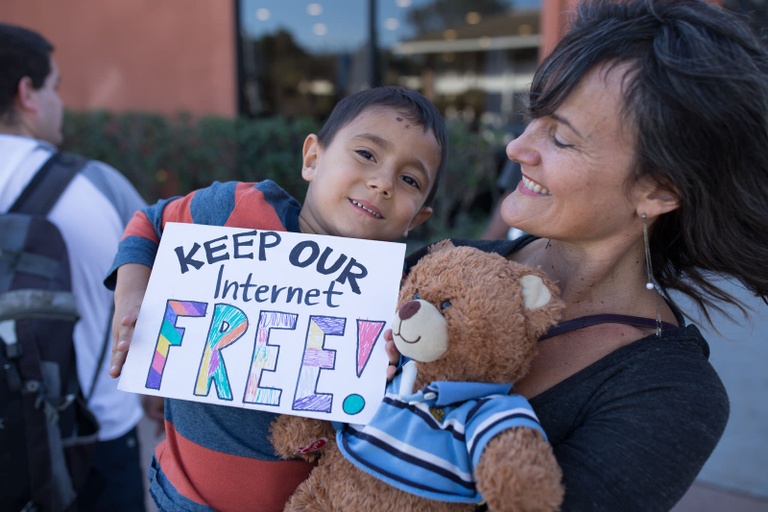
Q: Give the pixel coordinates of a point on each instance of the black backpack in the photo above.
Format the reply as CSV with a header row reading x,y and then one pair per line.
x,y
47,433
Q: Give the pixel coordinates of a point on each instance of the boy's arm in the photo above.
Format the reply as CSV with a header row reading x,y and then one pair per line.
x,y
132,281
129,275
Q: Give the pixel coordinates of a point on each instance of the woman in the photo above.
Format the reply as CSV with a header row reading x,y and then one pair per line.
x,y
645,169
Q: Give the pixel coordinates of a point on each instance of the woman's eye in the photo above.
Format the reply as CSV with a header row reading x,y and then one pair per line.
x,y
410,181
365,154
555,140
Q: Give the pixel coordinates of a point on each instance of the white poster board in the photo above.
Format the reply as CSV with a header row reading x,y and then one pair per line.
x,y
276,321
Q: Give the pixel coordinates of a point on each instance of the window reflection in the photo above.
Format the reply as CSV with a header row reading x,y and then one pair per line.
x,y
473,58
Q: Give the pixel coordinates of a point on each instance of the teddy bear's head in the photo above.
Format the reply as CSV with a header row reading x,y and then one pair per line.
x,y
468,315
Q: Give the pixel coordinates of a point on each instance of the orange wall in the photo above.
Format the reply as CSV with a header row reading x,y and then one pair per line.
x,y
554,15
162,56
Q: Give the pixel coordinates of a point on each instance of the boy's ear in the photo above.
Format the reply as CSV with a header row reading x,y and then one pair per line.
x,y
419,218
309,155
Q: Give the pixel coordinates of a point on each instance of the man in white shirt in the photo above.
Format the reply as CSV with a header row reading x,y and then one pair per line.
x,y
91,214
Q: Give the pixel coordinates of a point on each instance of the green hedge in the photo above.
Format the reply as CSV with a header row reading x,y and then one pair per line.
x,y
164,156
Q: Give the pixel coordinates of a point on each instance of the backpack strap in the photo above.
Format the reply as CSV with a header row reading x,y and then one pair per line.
x,y
49,182
102,354
37,198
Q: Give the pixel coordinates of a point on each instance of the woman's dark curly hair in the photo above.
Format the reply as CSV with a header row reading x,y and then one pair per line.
x,y
696,95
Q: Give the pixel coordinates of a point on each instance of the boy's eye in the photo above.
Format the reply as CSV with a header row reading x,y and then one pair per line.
x,y
411,181
365,154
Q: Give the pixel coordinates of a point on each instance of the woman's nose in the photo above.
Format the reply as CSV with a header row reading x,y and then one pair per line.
x,y
521,150
514,146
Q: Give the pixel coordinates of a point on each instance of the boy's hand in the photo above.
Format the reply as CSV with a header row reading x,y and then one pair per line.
x,y
122,333
393,353
132,280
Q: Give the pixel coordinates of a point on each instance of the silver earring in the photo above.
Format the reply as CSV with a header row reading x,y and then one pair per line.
x,y
648,267
651,284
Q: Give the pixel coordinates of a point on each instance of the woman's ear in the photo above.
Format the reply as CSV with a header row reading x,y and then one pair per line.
x,y
309,154
656,199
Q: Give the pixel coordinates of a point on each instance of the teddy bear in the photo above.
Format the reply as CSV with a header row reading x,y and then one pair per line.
x,y
449,434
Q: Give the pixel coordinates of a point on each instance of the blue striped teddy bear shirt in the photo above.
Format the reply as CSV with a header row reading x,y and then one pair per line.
x,y
429,442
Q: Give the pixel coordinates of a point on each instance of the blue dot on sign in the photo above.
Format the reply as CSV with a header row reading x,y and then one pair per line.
x,y
353,404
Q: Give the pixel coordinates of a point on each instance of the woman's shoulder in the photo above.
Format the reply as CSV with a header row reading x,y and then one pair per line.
x,y
675,365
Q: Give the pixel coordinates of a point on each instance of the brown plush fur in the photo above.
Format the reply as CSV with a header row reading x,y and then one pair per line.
x,y
492,337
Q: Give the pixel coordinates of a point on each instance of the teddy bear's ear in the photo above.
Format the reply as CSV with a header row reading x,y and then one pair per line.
x,y
440,246
535,292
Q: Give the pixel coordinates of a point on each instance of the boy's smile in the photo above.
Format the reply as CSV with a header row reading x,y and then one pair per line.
x,y
372,179
368,209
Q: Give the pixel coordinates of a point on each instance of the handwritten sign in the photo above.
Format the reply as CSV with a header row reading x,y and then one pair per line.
x,y
269,320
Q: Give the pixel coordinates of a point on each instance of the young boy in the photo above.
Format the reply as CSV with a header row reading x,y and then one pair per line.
x,y
372,171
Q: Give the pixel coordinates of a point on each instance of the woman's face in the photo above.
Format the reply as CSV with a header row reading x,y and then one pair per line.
x,y
575,166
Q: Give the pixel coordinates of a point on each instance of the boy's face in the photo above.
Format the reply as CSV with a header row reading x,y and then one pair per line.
x,y
372,179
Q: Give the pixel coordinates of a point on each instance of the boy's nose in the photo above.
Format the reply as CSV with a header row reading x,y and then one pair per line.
x,y
382,182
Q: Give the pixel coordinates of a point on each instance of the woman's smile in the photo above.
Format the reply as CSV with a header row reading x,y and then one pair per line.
x,y
527,184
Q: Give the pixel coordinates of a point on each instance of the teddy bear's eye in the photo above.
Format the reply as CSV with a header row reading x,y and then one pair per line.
x,y
445,305
416,296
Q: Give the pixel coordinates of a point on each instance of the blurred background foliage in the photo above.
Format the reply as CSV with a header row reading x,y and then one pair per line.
x,y
164,157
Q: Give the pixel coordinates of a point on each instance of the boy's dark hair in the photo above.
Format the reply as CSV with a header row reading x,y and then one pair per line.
x,y
696,98
22,53
411,104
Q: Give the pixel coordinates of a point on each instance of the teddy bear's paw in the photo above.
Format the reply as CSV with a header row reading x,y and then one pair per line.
x,y
518,472
305,502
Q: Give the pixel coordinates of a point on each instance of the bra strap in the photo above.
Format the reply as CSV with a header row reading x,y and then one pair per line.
x,y
606,318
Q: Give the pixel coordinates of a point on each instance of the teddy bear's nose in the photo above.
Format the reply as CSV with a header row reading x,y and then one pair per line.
x,y
409,309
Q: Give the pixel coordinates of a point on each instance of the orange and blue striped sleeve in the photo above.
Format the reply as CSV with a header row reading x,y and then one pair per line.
x,y
260,205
